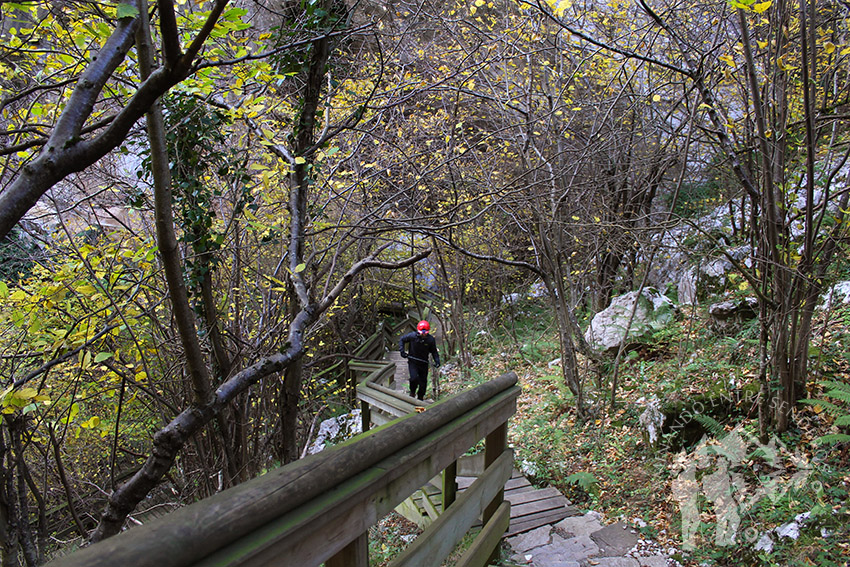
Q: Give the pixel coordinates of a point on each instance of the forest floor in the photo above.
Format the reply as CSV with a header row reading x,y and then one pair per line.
x,y
604,461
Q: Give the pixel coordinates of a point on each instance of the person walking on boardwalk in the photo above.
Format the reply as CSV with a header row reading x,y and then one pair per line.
x,y
420,344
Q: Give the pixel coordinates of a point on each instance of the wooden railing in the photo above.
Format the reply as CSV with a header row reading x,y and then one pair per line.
x,y
319,509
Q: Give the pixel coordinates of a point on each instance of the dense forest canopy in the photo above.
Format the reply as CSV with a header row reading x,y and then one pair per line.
x,y
204,205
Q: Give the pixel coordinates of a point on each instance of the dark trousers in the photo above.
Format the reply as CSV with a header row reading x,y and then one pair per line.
x,y
418,379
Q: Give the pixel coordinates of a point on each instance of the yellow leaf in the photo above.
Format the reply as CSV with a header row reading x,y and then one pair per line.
x,y
762,44
656,98
26,393
728,60
829,47
299,160
762,6
479,3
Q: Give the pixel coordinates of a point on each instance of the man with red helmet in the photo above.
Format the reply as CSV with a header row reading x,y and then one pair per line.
x,y
420,345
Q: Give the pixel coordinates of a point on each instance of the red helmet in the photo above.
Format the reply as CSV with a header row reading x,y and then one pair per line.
x,y
423,326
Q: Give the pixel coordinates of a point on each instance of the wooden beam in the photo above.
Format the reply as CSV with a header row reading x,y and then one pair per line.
x,y
398,395
429,506
438,540
487,541
494,444
365,416
449,485
387,404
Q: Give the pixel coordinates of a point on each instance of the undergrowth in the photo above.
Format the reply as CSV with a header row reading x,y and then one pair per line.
x,y
604,461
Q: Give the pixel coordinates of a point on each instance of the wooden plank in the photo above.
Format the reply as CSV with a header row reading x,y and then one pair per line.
x,y
478,555
380,377
365,416
494,444
438,540
384,402
401,396
520,489
471,465
449,491
314,507
517,498
515,483
535,521
366,365
429,507
537,507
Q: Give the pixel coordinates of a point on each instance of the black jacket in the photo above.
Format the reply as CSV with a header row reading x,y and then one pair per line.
x,y
419,347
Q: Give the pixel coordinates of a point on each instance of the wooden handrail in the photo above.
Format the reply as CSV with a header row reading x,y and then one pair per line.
x,y
309,511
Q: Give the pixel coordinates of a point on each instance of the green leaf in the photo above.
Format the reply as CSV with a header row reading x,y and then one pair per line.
x,y
300,268
126,11
832,439
585,480
101,356
4,290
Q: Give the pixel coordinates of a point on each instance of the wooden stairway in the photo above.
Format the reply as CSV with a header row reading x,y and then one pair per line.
x,y
530,507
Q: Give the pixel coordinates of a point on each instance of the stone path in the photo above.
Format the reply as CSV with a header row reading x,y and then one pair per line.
x,y
582,541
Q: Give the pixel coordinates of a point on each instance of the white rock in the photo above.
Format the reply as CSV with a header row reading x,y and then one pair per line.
x,y
765,543
791,530
607,328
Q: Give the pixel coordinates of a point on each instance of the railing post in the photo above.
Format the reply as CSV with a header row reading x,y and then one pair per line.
x,y
365,416
449,485
494,445
355,554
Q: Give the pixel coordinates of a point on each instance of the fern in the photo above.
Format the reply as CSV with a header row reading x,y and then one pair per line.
x,y
832,439
829,407
839,409
711,425
583,480
838,391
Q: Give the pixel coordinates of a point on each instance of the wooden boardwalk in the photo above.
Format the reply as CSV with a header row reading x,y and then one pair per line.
x,y
530,507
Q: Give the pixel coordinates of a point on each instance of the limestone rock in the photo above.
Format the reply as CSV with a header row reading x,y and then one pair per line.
x,y
608,327
727,316
615,539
